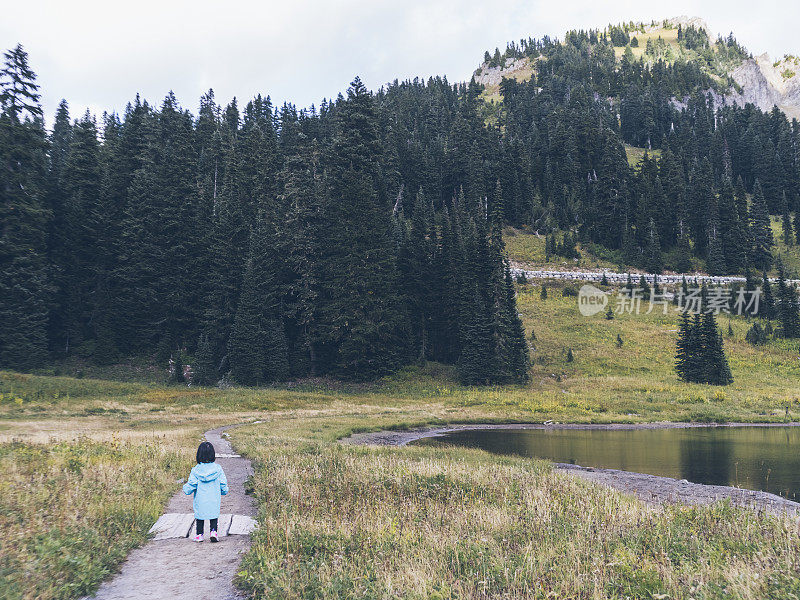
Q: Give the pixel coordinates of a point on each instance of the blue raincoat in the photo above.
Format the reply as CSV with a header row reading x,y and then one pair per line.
x,y
208,484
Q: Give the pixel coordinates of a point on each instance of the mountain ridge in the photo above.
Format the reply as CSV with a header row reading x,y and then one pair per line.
x,y
750,79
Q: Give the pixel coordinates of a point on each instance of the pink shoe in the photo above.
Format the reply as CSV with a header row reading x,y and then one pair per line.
x,y
213,537
198,537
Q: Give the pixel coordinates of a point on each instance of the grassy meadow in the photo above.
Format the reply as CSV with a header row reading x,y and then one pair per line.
x,y
527,249
89,464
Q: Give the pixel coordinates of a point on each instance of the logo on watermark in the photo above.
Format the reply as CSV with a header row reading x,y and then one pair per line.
x,y
591,300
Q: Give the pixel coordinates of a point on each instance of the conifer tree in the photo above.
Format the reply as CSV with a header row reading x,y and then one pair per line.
x,y
685,348
476,361
731,235
203,370
176,367
83,231
761,231
516,359
56,237
700,355
756,336
715,369
786,221
645,287
653,251
787,305
367,324
767,309
257,348
24,284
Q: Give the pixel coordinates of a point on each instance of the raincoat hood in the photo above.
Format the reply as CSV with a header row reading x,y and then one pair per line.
x,y
207,472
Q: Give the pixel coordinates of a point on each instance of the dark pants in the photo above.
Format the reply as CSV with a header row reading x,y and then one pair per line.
x,y
201,524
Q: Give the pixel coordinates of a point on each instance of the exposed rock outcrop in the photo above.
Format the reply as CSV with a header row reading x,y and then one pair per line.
x,y
766,84
491,76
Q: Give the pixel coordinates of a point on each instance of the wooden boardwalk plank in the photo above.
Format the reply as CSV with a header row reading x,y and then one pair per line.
x,y
224,524
242,525
172,525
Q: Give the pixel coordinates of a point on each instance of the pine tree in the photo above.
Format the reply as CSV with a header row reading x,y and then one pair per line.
x,y
367,327
246,343
19,92
628,287
731,224
767,309
176,367
644,286
714,364
761,231
700,354
257,348
60,141
756,336
684,348
477,355
715,245
654,261
203,370
83,231
786,221
24,284
787,305
516,358
796,226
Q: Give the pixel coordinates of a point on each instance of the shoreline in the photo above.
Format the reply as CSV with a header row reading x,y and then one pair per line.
x,y
652,489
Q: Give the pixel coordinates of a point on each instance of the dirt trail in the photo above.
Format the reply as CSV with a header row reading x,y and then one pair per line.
x,y
180,568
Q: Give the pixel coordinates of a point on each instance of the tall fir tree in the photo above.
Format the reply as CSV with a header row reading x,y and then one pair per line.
x,y
786,221
787,305
760,230
25,289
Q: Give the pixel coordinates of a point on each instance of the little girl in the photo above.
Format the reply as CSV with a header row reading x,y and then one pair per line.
x,y
208,484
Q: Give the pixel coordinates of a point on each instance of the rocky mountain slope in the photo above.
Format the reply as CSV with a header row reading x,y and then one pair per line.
x,y
758,80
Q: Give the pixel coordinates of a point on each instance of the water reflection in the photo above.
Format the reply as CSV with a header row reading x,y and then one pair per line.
x,y
760,458
706,459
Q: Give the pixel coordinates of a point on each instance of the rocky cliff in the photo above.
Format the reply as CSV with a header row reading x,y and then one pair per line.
x,y
766,84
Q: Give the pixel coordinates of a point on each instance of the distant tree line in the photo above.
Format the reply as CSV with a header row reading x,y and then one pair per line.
x,y
268,243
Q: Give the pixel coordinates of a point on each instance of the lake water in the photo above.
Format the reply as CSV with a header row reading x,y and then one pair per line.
x,y
757,458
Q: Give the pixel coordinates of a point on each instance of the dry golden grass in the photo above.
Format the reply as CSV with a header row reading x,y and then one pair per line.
x,y
70,511
344,522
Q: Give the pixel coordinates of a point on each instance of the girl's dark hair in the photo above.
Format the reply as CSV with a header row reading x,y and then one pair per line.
x,y
206,453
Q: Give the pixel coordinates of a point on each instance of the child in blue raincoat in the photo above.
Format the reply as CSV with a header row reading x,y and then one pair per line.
x,y
207,483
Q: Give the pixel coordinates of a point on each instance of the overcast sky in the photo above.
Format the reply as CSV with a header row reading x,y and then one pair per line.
x,y
100,54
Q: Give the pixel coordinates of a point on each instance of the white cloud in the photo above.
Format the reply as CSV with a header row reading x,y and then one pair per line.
x,y
100,54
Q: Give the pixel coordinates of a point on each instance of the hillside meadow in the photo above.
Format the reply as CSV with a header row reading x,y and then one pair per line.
x,y
90,463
